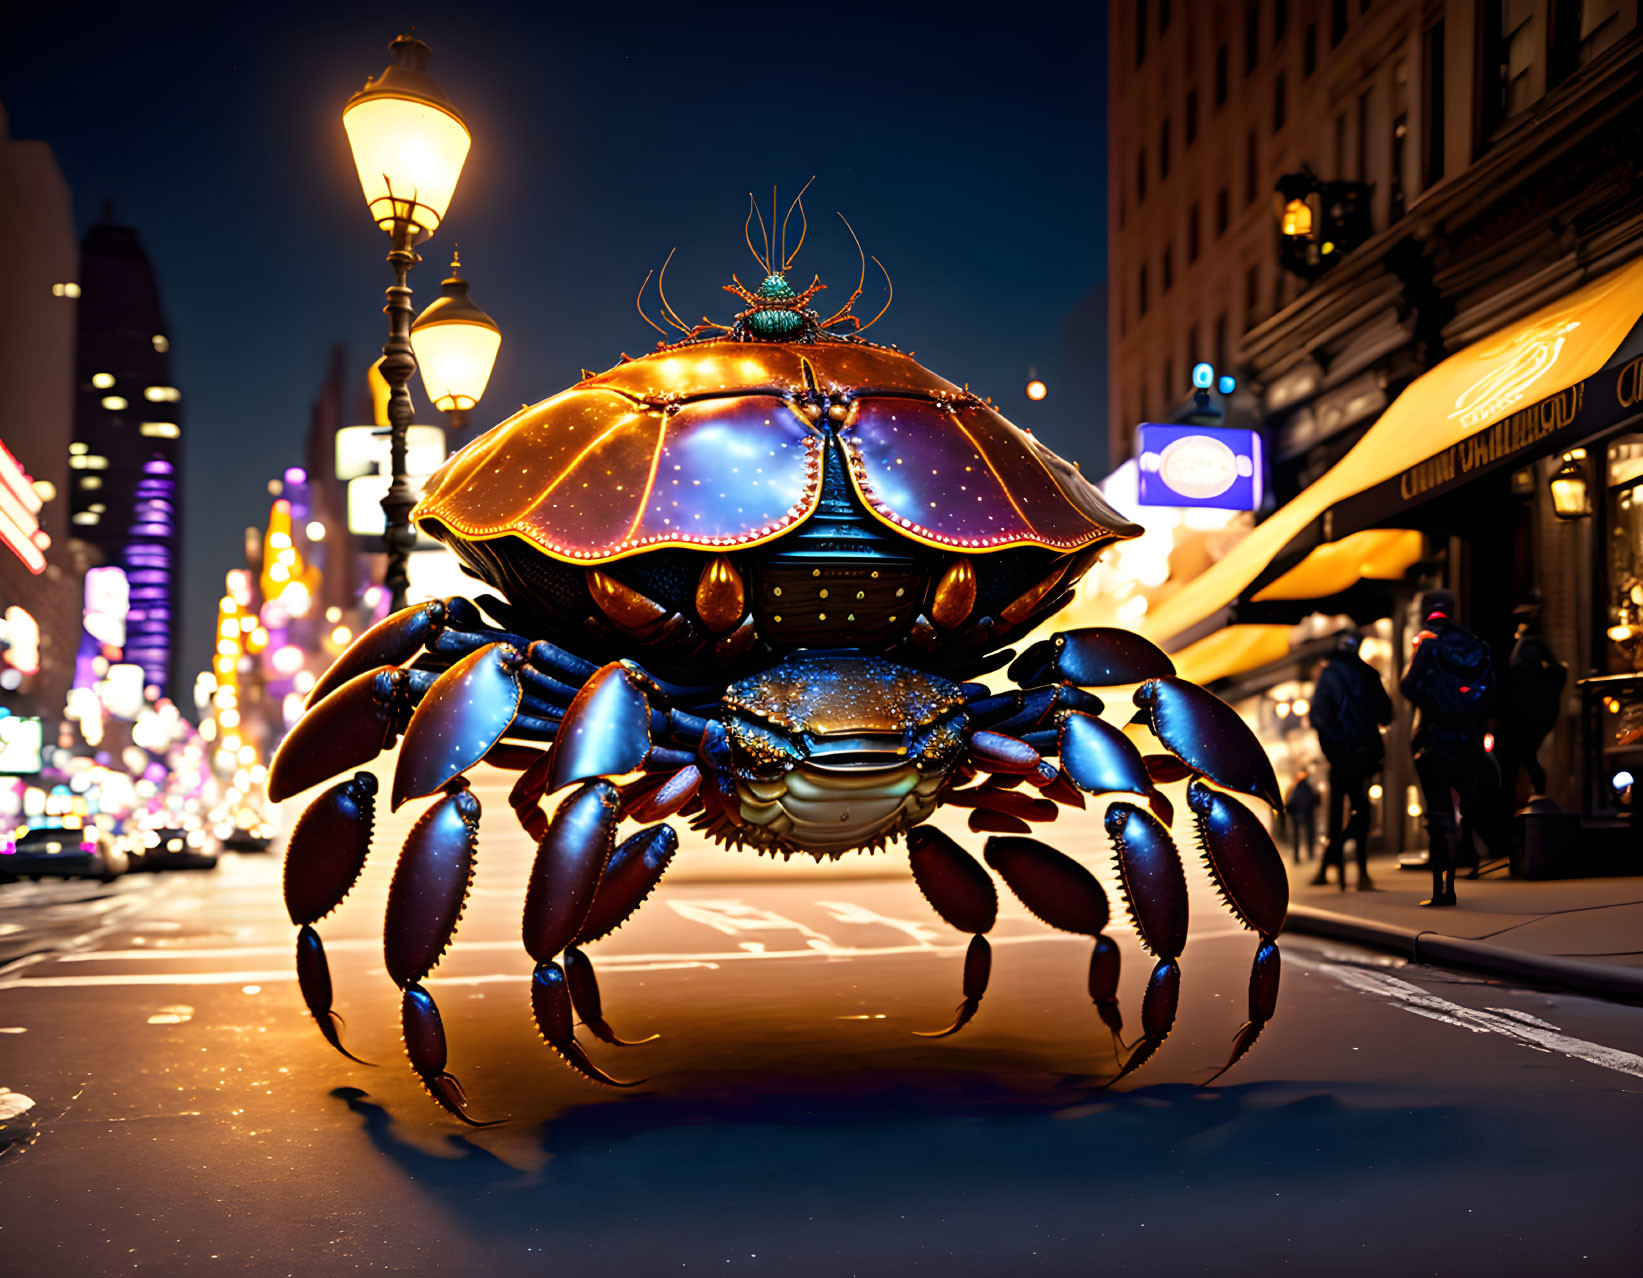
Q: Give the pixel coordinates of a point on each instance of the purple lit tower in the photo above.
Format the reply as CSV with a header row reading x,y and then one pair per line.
x,y
126,458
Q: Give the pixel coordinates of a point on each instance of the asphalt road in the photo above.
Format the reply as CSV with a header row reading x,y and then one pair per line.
x,y
186,1116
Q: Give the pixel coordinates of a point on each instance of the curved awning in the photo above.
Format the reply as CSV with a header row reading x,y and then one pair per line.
x,y
1480,407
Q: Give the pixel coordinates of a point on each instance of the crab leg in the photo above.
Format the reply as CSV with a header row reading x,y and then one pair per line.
x,y
468,710
1207,735
570,861
1094,657
959,890
348,729
634,869
1249,872
425,901
391,642
1062,893
1155,893
323,858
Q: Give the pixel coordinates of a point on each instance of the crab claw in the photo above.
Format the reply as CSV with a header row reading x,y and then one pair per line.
x,y
348,729
327,848
425,1045
605,732
1098,758
391,642
461,717
314,979
1208,735
1094,657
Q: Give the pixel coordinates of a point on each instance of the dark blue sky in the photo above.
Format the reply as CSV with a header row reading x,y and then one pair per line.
x,y
969,153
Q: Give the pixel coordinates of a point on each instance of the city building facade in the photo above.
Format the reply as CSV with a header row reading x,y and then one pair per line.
x,y
126,458
1410,233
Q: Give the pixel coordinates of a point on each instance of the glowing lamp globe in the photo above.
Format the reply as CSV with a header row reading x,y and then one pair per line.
x,y
455,344
408,141
1569,489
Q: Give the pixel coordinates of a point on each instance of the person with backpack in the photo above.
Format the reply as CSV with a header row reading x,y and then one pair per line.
x,y
1349,706
1450,682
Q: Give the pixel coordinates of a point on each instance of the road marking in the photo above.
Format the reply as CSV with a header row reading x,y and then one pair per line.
x,y
607,963
1531,1031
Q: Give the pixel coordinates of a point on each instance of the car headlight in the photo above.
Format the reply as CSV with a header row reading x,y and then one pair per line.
x,y
196,838
151,839
173,845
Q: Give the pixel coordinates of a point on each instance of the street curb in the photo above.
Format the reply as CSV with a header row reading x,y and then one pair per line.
x,y
1600,979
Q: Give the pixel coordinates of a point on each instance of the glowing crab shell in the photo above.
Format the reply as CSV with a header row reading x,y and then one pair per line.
x,y
707,446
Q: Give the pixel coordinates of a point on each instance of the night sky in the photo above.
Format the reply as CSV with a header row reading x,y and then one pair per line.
x,y
969,153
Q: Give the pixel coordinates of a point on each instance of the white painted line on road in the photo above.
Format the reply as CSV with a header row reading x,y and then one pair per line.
x,y
607,963
1531,1031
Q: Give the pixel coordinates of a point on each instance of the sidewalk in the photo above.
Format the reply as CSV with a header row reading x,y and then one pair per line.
x,y
1579,934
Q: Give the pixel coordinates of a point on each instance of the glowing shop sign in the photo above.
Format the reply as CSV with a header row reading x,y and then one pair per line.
x,y
1527,358
108,599
21,740
1200,466
20,640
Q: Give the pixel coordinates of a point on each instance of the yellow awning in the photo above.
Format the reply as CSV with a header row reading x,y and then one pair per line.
x,y
1232,650
1378,554
1547,352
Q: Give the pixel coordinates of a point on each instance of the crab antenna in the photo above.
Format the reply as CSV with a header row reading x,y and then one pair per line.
x,y
804,225
860,283
747,232
773,210
765,260
667,311
638,304
891,287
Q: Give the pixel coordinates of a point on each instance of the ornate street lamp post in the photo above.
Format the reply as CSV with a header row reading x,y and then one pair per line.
x,y
456,345
409,143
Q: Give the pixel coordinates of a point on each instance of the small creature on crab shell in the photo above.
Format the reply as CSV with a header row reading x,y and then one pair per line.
x,y
766,579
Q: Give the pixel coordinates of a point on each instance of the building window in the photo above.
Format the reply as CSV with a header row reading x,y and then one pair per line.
x,y
1169,381
1220,76
1221,341
1252,295
1400,148
1252,37
1432,116
1191,122
1250,167
1366,108
1510,47
1192,234
1280,20
1169,270
1279,106
1193,353
1221,214
1141,299
1309,50
1163,150
1140,31
1341,157
1337,22
1163,16
1140,177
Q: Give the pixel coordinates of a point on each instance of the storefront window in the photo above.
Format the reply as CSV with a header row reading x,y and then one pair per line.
x,y
1624,512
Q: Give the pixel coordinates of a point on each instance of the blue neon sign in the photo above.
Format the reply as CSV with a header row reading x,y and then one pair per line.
x,y
1200,466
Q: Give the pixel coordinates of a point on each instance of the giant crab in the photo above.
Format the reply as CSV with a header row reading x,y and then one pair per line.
x,y
756,579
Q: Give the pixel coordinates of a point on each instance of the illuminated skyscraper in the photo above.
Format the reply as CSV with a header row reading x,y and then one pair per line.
x,y
126,458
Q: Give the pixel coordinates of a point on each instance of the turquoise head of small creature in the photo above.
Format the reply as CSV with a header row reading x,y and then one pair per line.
x,y
776,318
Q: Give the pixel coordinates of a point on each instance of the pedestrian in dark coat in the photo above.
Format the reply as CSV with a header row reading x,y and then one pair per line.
x,y
1534,694
1451,683
1301,811
1349,707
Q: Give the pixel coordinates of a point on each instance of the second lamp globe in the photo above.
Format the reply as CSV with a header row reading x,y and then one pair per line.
x,y
456,345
